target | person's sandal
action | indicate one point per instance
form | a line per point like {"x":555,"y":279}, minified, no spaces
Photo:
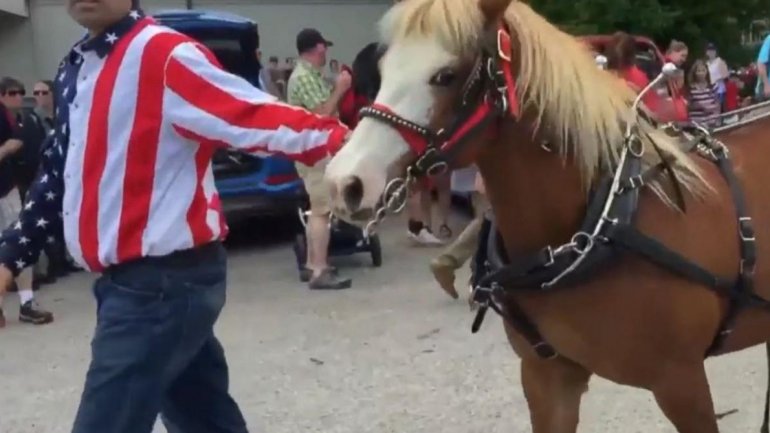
{"x":329,"y":280}
{"x":306,"y":274}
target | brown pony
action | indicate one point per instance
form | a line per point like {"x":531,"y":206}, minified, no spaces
{"x":492,"y":82}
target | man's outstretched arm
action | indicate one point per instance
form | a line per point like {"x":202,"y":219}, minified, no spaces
{"x":209,"y":105}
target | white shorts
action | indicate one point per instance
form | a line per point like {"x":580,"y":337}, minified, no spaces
{"x":10,"y":207}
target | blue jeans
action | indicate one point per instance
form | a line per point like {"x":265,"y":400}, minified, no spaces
{"x":154,"y":349}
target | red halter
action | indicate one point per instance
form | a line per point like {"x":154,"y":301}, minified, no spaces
{"x":492,"y":79}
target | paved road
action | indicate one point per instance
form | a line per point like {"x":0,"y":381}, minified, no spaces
{"x":391,"y":355}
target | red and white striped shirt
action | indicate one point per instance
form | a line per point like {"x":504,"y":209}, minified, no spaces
{"x":143,"y":124}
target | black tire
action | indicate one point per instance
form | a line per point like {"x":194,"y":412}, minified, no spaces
{"x":300,"y":250}
{"x":376,"y":249}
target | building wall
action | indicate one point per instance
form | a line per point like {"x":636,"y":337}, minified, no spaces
{"x":17,"y":57}
{"x":31,"y":48}
{"x":350,"y":24}
{"x":16,"y":7}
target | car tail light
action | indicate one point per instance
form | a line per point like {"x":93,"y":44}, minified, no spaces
{"x":277,"y":179}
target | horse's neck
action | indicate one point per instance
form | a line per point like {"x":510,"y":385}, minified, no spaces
{"x":537,"y":199}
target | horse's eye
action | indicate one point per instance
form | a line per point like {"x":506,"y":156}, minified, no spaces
{"x":443,"y":78}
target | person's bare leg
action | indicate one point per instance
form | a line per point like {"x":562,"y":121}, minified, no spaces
{"x":318,"y":242}
{"x":426,"y":208}
{"x":413,"y":210}
{"x":414,"y":213}
{"x":443,"y":190}
{"x":2,"y":316}
{"x":310,"y":257}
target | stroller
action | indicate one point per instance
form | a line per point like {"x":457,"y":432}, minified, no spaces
{"x":345,"y":239}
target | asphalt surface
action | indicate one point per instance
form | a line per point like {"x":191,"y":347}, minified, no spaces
{"x":392,"y":354}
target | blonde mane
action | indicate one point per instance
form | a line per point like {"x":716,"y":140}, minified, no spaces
{"x":585,"y":108}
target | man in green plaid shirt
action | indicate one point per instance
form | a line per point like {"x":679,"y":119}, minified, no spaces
{"x":307,"y":88}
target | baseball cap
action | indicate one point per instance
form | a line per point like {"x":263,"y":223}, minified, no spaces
{"x":307,"y":39}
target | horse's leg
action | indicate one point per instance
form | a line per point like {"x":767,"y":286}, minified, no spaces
{"x":553,"y":389}
{"x":684,"y":396}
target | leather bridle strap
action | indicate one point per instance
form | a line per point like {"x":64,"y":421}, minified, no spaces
{"x":487,"y":95}
{"x":419,"y":138}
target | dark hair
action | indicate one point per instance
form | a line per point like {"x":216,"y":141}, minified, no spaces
{"x":48,"y":83}
{"x":366,"y":70}
{"x":620,"y":51}
{"x":8,"y":83}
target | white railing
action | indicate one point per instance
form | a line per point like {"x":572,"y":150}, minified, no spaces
{"x":740,"y":117}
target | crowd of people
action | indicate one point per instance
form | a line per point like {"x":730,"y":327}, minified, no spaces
{"x":703,"y":88}
{"x":22,"y":132}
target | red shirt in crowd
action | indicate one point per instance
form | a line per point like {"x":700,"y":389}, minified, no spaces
{"x":676,"y":109}
{"x":638,"y":80}
{"x":732,"y":96}
{"x":350,"y":104}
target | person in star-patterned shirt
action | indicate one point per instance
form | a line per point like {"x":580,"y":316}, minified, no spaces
{"x":140,"y":110}
{"x":11,"y":94}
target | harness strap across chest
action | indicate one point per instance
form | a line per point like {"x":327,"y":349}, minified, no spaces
{"x":587,"y":254}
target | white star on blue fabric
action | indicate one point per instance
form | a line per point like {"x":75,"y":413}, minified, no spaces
{"x":50,"y":196}
{"x":20,"y":264}
{"x":111,"y":38}
{"x":29,"y":205}
{"x":62,"y":76}
{"x":24,"y":240}
{"x":42,"y":223}
{"x":17,"y":226}
{"x":135,"y":15}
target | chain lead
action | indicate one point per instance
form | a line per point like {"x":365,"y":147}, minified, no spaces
{"x":395,"y":198}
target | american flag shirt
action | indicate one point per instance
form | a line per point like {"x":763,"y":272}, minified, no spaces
{"x":126,"y":172}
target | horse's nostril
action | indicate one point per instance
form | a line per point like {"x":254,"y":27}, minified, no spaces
{"x":352,"y":192}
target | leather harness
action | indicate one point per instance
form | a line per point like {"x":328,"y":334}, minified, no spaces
{"x":489,"y":96}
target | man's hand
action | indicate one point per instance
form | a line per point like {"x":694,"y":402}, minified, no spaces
{"x":343,"y":82}
{"x":6,"y":279}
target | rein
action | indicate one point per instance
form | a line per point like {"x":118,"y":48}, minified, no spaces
{"x":489,"y":95}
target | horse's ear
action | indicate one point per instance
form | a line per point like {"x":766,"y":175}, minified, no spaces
{"x":493,"y":10}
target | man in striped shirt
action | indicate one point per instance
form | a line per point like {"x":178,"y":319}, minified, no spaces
{"x":140,"y":109}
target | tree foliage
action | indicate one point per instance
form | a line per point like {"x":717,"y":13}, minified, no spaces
{"x":693,"y":21}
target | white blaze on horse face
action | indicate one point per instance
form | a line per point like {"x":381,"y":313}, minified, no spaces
{"x":375,"y":147}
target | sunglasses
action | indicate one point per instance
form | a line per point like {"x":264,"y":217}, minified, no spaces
{"x":41,"y":92}
{"x":16,"y":92}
